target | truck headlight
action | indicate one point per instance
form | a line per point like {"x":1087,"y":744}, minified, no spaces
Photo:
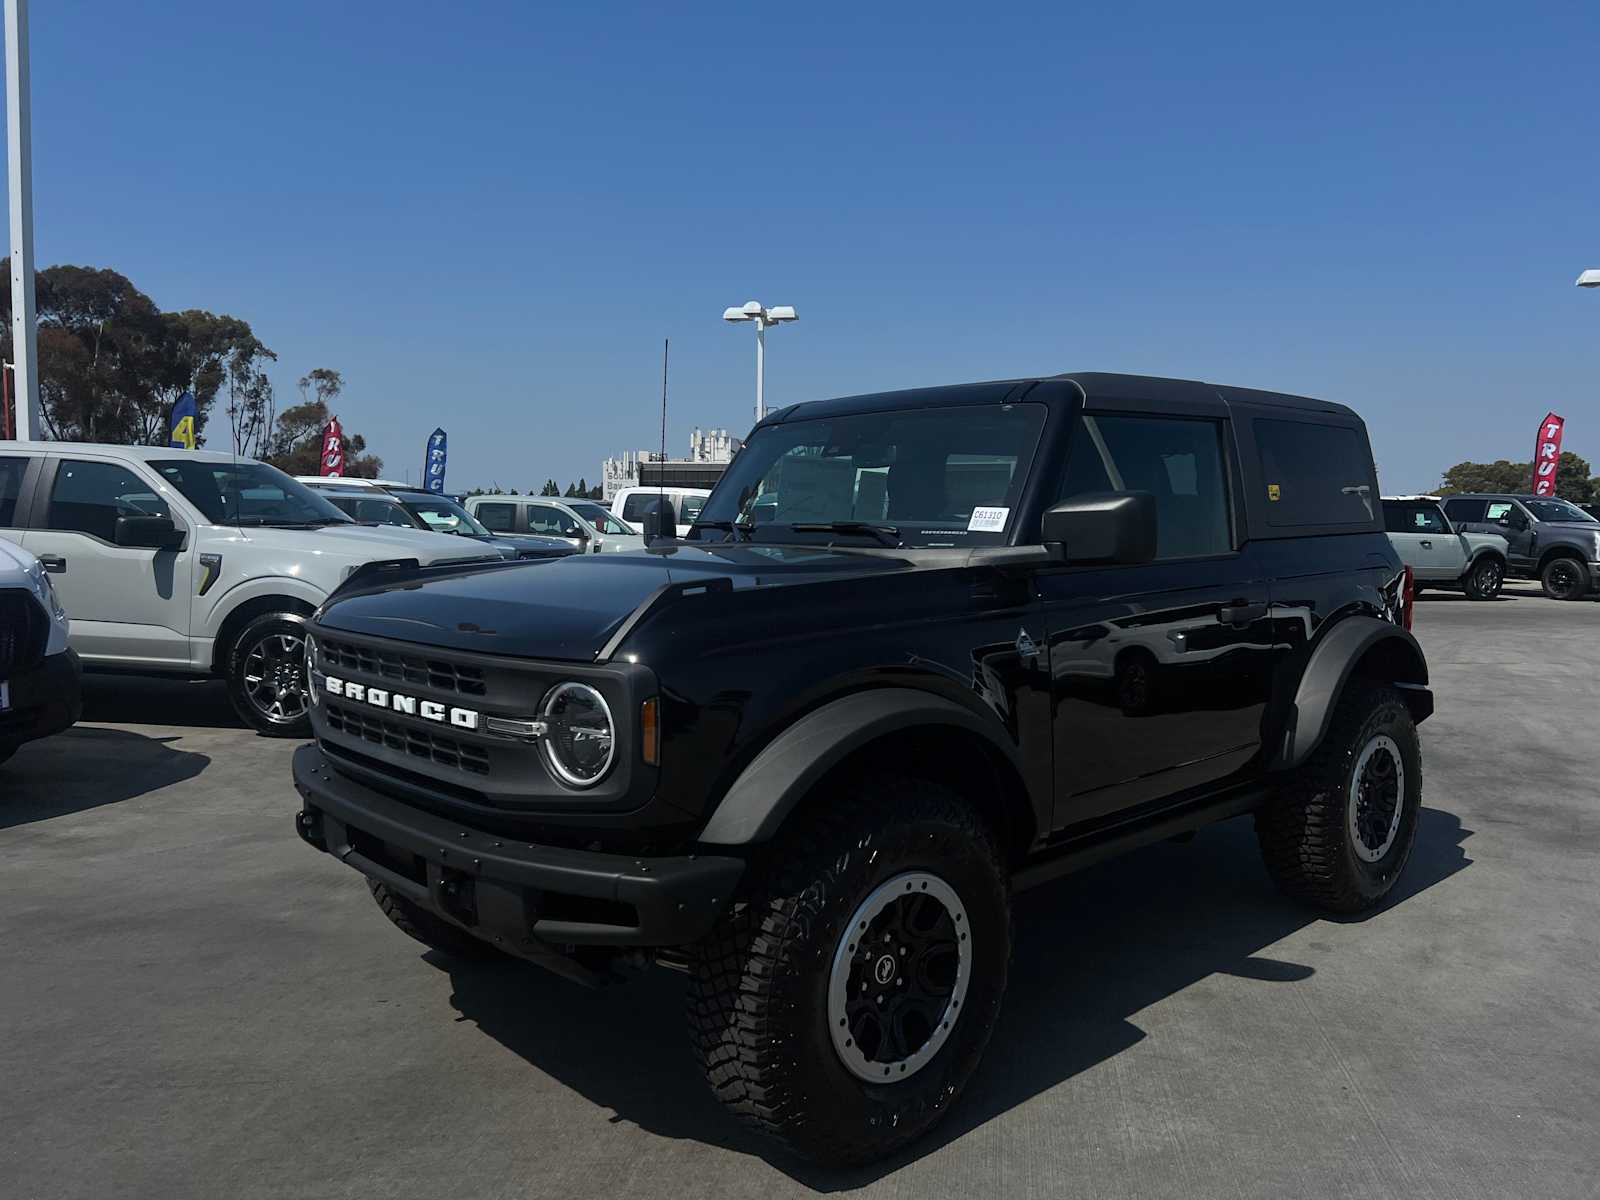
{"x":580,"y":740}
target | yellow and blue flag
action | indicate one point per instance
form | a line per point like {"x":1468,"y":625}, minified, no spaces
{"x":184,"y":414}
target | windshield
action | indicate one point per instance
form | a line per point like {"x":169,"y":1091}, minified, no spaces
{"x":247,"y":493}
{"x":924,"y":477}
{"x":372,"y":510}
{"x":1557,"y":510}
{"x":602,"y":520}
{"x":444,"y":515}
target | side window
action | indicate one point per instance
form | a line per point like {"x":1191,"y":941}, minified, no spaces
{"x":1177,"y":459}
{"x":542,"y":518}
{"x":1428,"y":519}
{"x":1315,"y":474}
{"x":12,"y":471}
{"x":1461,"y":511}
{"x":88,"y":497}
{"x":636,"y":505}
{"x":500,"y":518}
{"x":1412,"y":518}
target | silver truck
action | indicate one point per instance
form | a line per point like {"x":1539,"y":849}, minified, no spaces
{"x":1439,"y":554}
{"x":194,"y":563}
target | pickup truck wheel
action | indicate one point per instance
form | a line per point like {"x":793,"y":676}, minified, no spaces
{"x":432,"y":931}
{"x":1564,"y":578}
{"x":1339,"y":833}
{"x":843,"y":1009}
{"x":1484,"y":578}
{"x":267,"y":676}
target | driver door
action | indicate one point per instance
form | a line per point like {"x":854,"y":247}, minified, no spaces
{"x":128,"y":604}
{"x":1507,"y":518}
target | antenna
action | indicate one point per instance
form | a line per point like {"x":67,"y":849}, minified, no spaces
{"x":661,"y":467}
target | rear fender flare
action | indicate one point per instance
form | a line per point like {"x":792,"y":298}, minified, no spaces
{"x":778,"y":778}
{"x":1389,"y":652}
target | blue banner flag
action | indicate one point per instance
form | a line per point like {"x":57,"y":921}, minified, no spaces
{"x":433,"y":467}
{"x":182,"y":432}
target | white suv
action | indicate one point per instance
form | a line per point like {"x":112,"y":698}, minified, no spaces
{"x":39,"y":692}
{"x":195,"y":563}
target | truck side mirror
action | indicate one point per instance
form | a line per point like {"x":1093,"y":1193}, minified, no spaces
{"x":1115,"y":528}
{"x":660,"y":521}
{"x":148,"y":533}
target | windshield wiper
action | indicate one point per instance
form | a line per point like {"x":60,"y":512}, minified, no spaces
{"x":889,"y":535}
{"x":743,"y":528}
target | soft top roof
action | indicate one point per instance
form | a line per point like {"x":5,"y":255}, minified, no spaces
{"x":1095,"y":385}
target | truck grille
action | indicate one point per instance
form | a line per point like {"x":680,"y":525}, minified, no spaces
{"x":418,"y":743}
{"x":22,"y":631}
{"x":387,"y":663}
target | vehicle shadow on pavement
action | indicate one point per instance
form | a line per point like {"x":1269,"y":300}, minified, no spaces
{"x":148,"y":700}
{"x":89,"y":768}
{"x":1091,"y":951}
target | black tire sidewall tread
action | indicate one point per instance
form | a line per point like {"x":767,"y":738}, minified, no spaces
{"x":248,"y":636}
{"x":1474,"y":590}
{"x":432,"y":931}
{"x":757,"y":1003}
{"x":1304,"y":828}
{"x":1578,"y":565}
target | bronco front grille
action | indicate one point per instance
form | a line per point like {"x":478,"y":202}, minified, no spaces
{"x":418,"y":743}
{"x":406,"y":668}
{"x":22,"y":631}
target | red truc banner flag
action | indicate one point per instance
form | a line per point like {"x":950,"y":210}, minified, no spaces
{"x":333,"y":449}
{"x":1547,"y":454}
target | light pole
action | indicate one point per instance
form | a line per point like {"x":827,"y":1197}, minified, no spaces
{"x":19,"y":146}
{"x":763,"y":317}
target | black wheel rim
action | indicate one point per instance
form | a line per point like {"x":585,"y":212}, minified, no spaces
{"x":1377,"y":794}
{"x":274,"y":677}
{"x":899,"y":977}
{"x":1562,"y":578}
{"x":1489,"y":578}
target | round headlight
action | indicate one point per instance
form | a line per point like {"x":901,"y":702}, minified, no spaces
{"x":580,"y":741}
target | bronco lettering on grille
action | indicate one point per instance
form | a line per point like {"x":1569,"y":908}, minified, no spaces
{"x":410,"y":706}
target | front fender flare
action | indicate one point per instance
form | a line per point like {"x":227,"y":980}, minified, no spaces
{"x":788,"y":767}
{"x":1333,"y":660}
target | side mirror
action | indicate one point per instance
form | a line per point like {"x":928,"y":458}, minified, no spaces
{"x":661,"y":521}
{"x":572,"y":531}
{"x":1115,"y":528}
{"x":149,"y":533}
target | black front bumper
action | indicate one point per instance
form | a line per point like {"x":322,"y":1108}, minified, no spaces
{"x":45,"y":699}
{"x":526,"y":899}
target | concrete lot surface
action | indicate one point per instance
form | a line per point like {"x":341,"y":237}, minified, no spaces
{"x":192,"y":1003}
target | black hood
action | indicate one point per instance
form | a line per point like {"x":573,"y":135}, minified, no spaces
{"x":568,"y":608}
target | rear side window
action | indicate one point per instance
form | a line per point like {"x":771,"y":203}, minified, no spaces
{"x":1315,"y":474}
{"x":1401,"y":517}
{"x":500,"y":518}
{"x":636,"y":505}
{"x":1465,"y":510}
{"x":11,"y":472}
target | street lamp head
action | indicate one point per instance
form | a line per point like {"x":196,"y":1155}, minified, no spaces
{"x":1590,"y":278}
{"x":781,"y":312}
{"x":734,"y":314}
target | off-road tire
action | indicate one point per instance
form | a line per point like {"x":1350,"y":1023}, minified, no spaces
{"x":1304,"y":830}
{"x":1565,"y":577}
{"x":277,"y":625}
{"x":433,"y":932}
{"x":1484,"y":578}
{"x":758,"y":1000}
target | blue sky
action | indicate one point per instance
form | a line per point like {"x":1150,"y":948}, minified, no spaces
{"x":488,"y":215}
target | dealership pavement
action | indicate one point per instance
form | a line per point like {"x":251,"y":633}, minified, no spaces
{"x":192,"y":1003}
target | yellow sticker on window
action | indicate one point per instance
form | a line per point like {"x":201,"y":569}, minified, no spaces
{"x":1273,"y":491}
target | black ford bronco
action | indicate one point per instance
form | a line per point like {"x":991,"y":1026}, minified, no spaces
{"x":921,"y":650}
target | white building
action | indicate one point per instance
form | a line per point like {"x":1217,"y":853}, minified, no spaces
{"x":715,"y":447}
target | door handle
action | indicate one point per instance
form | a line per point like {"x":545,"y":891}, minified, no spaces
{"x":1426,"y":545}
{"x":1239,"y":612}
{"x":53,"y":563}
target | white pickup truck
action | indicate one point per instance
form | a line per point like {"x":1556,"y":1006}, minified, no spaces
{"x":194,"y":563}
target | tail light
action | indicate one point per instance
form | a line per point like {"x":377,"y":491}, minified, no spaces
{"x":1408,"y":598}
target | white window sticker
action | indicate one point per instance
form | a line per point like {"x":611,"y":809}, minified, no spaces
{"x":988,"y":520}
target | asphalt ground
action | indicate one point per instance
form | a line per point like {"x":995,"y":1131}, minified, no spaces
{"x":192,"y":1003}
